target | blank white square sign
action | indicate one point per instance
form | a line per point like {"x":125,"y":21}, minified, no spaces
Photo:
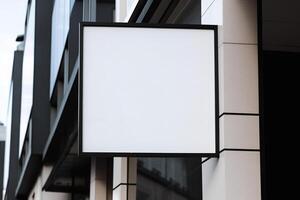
{"x":147,"y":90}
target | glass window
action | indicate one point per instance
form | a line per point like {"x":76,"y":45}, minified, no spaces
{"x":7,"y":139}
{"x":27,"y":74}
{"x":60,"y":29}
{"x":212,"y":12}
{"x":130,"y":3}
{"x":169,"y":179}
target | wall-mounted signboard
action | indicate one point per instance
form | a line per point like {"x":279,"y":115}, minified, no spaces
{"x":148,"y":90}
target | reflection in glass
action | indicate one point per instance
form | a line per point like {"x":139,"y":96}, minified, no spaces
{"x":27,"y":74}
{"x":8,"y":138}
{"x":60,"y":29}
{"x":169,"y":179}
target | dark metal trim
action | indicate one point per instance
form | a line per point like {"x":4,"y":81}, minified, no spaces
{"x":28,"y":175}
{"x":162,"y":26}
{"x":148,"y":10}
{"x":60,"y":114}
{"x":239,"y":149}
{"x":232,"y":149}
{"x":137,"y":10}
{"x":146,"y":25}
{"x":134,"y":184}
{"x":241,"y":114}
{"x":51,"y":176}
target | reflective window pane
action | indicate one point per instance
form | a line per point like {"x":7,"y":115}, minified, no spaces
{"x":27,"y":73}
{"x":60,"y":29}
{"x":169,"y":179}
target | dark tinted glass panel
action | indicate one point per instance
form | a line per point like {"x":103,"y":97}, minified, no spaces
{"x":169,"y":179}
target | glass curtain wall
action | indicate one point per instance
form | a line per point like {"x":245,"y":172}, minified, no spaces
{"x":59,"y":35}
{"x":169,"y":179}
{"x":27,"y":75}
{"x":7,"y":140}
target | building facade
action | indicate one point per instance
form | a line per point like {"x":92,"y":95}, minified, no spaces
{"x":43,"y":149}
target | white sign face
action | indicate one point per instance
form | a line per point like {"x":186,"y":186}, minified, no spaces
{"x":148,"y":90}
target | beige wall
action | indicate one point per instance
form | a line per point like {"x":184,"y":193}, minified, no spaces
{"x":124,"y":178}
{"x":236,"y":174}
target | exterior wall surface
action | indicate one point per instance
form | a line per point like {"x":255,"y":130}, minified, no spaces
{"x":236,"y":174}
{"x":124,"y":178}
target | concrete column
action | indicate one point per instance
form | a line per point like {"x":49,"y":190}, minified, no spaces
{"x":236,"y":174}
{"x":124,"y":178}
{"x":99,"y":188}
{"x":121,"y":10}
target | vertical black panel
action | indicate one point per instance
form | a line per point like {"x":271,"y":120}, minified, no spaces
{"x":279,"y":55}
{"x":279,"y":131}
{"x":14,"y":169}
{"x":41,"y":83}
